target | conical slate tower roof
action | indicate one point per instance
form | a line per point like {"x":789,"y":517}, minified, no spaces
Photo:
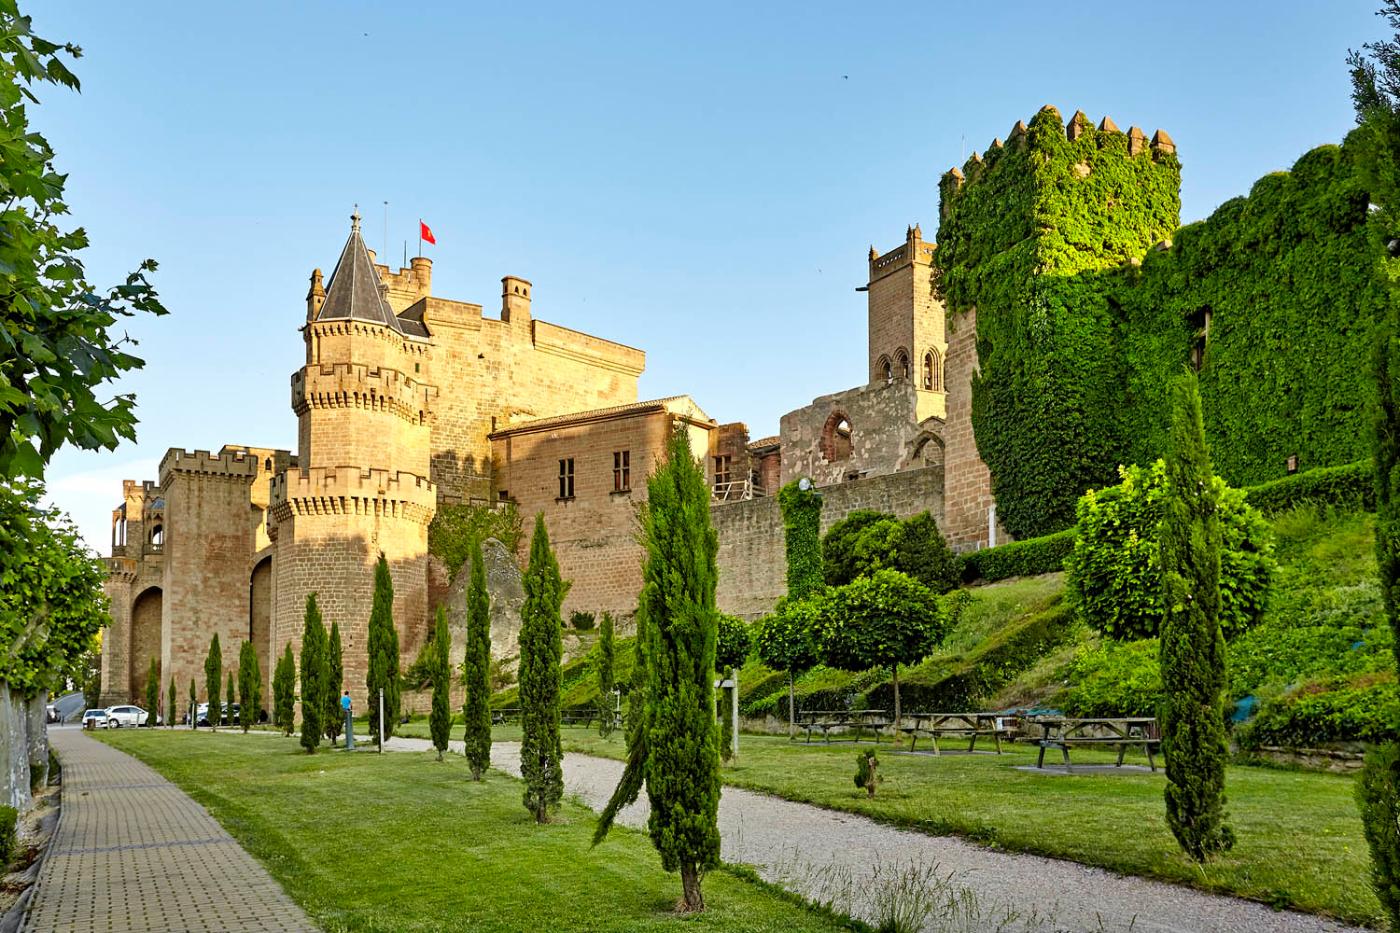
{"x":354,"y":292}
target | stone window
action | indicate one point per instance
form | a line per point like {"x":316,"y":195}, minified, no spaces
{"x":933,"y":371}
{"x":622,"y":470}
{"x":723,"y":473}
{"x":901,"y":364}
{"x":566,"y":478}
{"x":883,"y":370}
{"x":836,"y":438}
{"x":1200,"y":335}
{"x":157,"y":536}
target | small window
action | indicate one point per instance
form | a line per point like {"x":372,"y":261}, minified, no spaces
{"x":933,"y":371}
{"x":267,"y":464}
{"x":503,"y":496}
{"x":416,"y":367}
{"x":622,"y":470}
{"x":566,"y":478}
{"x":722,"y":471}
{"x":901,"y":364}
{"x":1200,"y":336}
{"x":883,"y":370}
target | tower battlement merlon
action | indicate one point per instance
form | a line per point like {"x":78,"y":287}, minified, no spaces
{"x":233,"y":464}
{"x":349,"y":490}
{"x":356,"y":385}
{"x":914,"y":250}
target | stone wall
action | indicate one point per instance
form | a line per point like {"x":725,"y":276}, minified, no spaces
{"x":969,"y":491}
{"x":884,"y":434}
{"x":752,"y":560}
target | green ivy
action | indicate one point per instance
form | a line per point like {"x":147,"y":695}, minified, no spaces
{"x":802,"y":509}
{"x":458,"y":528}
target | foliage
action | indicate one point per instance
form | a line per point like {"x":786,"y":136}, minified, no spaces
{"x":249,"y":685}
{"x":786,"y":640}
{"x":51,"y":600}
{"x":541,"y":646}
{"x":440,"y":719}
{"x":582,"y":621}
{"x":284,"y":685}
{"x":1026,"y":240}
{"x":1030,"y":557}
{"x":458,"y":529}
{"x":866,"y":541}
{"x":9,"y":817}
{"x":153,"y":692}
{"x":90,"y":674}
{"x":315,"y":675}
{"x":867,"y":775}
{"x":605,"y":659}
{"x":194,"y":705}
{"x":733,"y":642}
{"x":172,"y":705}
{"x":1192,"y":649}
{"x":881,"y":620}
{"x":476,"y":670}
{"x":1360,"y":707}
{"x":333,"y":719}
{"x":213,"y":679}
{"x":675,"y":748}
{"x":56,"y":345}
{"x":1378,"y":796}
{"x":228,"y":699}
{"x":1114,"y":575}
{"x":921,"y":551}
{"x":802,"y":512}
{"x":383,"y":671}
{"x":1350,"y":486}
{"x":1115,"y":678}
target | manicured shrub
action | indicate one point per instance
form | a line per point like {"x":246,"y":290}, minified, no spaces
{"x":228,"y":699}
{"x":1351,"y":486}
{"x":333,"y":719}
{"x":867,"y":772}
{"x":802,"y":512}
{"x":733,"y":643}
{"x":284,"y":686}
{"x":153,"y":692}
{"x":541,"y":646}
{"x":249,"y":685}
{"x":194,"y":706}
{"x":1114,"y":575}
{"x":213,"y":679}
{"x":1028,"y":558}
{"x":1378,"y":795}
{"x":440,"y":719}
{"x":787,"y":642}
{"x":476,"y":670}
{"x":582,"y":621}
{"x":605,"y":658}
{"x":1192,"y":649}
{"x":866,"y":541}
{"x":172,"y":707}
{"x":314,"y":675}
{"x":383,"y":671}
{"x":1361,"y":707}
{"x":1115,"y":678}
{"x":921,"y":551}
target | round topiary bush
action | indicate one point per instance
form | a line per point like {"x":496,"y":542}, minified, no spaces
{"x":1113,"y":576}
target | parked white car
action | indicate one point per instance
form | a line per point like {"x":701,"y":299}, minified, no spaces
{"x":118,"y":716}
{"x":98,"y":718}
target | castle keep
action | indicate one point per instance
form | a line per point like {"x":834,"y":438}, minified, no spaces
{"x":1029,"y":338}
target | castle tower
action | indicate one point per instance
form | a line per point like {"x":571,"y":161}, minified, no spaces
{"x":906,"y":328}
{"x":364,"y":414}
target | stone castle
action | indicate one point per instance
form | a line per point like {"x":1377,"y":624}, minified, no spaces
{"x":408,"y":401}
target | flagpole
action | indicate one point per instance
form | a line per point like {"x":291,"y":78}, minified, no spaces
{"x":386,"y":233}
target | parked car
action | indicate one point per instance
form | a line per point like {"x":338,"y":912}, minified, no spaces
{"x":98,"y":718}
{"x":51,"y":713}
{"x":118,"y":716}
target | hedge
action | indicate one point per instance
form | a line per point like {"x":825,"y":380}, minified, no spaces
{"x":1031,"y":557}
{"x":1352,"y":486}
{"x":1362,"y":708}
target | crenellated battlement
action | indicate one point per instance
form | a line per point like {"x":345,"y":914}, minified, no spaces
{"x":367,"y":329}
{"x":232,"y":464}
{"x":368,"y":388}
{"x":914,"y":249}
{"x":348,"y":490}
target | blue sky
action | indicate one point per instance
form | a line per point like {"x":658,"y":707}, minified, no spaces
{"x":702,"y":182}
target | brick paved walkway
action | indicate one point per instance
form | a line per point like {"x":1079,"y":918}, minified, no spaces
{"x":134,"y":853}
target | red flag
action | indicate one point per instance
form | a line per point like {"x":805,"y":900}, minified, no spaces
{"x":425,"y":233}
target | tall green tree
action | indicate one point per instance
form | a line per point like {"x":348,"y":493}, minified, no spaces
{"x":153,"y":692}
{"x":314,"y":675}
{"x":440,"y":718}
{"x":787,"y":641}
{"x":604,"y":664}
{"x":476,"y":670}
{"x":383,"y":653}
{"x":1192,"y":643}
{"x":284,"y":686}
{"x":229,"y":700}
{"x":172,"y":706}
{"x":333,"y":719}
{"x":676,"y":753}
{"x":58,"y":330}
{"x":249,"y":685}
{"x":213,"y":679}
{"x":194,"y":706}
{"x":541,"y":648}
{"x":801,"y":506}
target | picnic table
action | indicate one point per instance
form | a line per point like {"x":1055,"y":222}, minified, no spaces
{"x":504,"y":715}
{"x":856,"y":719}
{"x":962,"y":725}
{"x":1120,"y":732}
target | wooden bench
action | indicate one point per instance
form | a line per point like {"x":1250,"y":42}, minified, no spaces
{"x":968,"y":726}
{"x":1121,"y":733}
{"x":500,"y":717}
{"x":828,"y":719}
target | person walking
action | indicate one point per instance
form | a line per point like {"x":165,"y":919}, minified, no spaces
{"x":349,"y":721}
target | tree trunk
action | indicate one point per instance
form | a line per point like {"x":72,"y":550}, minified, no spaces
{"x":896,"y":703}
{"x":439,"y":751}
{"x":476,"y":774}
{"x":693,"y":900}
{"x":792,"y":709}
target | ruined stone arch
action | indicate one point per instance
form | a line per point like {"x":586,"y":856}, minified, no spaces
{"x":146,"y":610}
{"x":933,"y":370}
{"x":836,"y":438}
{"x":901,"y":363}
{"x":926,"y":450}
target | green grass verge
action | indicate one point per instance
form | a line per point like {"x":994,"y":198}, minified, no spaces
{"x":1300,"y":844}
{"x":403,"y":842}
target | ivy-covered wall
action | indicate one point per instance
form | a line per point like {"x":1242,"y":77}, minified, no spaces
{"x":1287,"y":275}
{"x":1029,"y":236}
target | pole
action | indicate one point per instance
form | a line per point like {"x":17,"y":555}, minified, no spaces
{"x":381,"y":720}
{"x":386,"y":232}
{"x":734,"y":709}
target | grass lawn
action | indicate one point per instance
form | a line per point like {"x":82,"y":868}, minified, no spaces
{"x":403,"y":842}
{"x":1299,"y":835}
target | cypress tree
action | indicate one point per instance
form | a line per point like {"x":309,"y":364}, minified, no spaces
{"x":383,"y":653}
{"x":172,"y":707}
{"x":677,"y":753}
{"x":153,"y":693}
{"x":476,"y":669}
{"x":605,"y":659}
{"x":313,"y":676}
{"x":249,"y":685}
{"x":1192,"y":644}
{"x":335,"y":683}
{"x":440,"y":717}
{"x":213,"y":679}
{"x":541,"y":647}
{"x":229,"y":702}
{"x":194,"y":706}
{"x":284,"y":692}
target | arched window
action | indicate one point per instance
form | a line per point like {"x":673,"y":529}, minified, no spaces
{"x":836,"y":438}
{"x":157,"y":536}
{"x":883,"y":370}
{"x":901,"y":364}
{"x":933,"y":371}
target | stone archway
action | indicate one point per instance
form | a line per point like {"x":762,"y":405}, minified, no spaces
{"x":145,"y":642}
{"x":260,"y":620}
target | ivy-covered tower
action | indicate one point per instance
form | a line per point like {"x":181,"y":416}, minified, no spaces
{"x":1032,"y":235}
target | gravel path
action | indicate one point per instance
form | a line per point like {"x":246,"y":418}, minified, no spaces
{"x":859,"y":866}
